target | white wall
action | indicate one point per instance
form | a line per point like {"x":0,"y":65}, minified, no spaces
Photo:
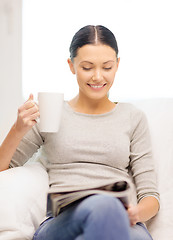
{"x":10,"y":62}
{"x":143,"y":29}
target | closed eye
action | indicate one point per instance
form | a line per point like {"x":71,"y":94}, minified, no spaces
{"x":86,"y":69}
{"x":108,"y":68}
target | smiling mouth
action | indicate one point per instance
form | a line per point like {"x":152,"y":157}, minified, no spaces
{"x":96,"y":86}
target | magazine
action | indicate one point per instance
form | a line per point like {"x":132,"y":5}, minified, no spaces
{"x":57,"y":201}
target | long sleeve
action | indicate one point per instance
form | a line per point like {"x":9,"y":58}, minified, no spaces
{"x":141,"y":160}
{"x":29,"y":145}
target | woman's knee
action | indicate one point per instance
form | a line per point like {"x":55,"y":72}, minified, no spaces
{"x":102,"y":217}
{"x":101,"y":206}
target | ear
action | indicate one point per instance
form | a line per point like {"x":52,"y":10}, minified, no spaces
{"x":71,"y":65}
{"x":118,"y":61}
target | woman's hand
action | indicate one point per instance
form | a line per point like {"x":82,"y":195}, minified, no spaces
{"x":133,"y":213}
{"x":144,"y":210}
{"x":27,"y":115}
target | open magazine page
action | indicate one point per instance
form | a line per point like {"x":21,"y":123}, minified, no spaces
{"x":57,"y":201}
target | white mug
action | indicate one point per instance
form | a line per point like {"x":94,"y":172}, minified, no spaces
{"x":50,"y":108}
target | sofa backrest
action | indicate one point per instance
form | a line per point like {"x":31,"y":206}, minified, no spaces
{"x":159,"y":113}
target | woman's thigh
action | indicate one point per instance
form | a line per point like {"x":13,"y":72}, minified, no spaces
{"x":138,"y":232}
{"x":68,"y":225}
{"x":96,"y":217}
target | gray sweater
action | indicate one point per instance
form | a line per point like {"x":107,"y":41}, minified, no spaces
{"x":91,"y":150}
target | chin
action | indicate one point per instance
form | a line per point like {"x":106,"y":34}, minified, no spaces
{"x":98,"y":97}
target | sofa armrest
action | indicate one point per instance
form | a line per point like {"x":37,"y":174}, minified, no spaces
{"x":23,"y":200}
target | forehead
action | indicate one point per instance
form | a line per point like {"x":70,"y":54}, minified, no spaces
{"x":92,"y":53}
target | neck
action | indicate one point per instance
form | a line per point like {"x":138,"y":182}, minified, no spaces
{"x":90,"y":106}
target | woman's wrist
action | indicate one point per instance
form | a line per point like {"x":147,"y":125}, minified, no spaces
{"x":17,"y":133}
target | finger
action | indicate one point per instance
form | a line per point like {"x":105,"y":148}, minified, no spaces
{"x":26,"y":106}
{"x":29,"y":123}
{"x":33,"y":117}
{"x":131,"y":212}
{"x":133,"y":223}
{"x":28,"y":112}
{"x":29,"y":102}
{"x":29,"y":120}
{"x":129,"y":206}
{"x":31,"y":96}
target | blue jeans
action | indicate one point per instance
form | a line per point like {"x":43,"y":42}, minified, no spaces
{"x":97,"y":217}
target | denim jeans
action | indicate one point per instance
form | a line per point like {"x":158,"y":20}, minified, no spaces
{"x":98,"y":217}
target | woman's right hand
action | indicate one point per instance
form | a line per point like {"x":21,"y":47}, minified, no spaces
{"x":27,"y":116}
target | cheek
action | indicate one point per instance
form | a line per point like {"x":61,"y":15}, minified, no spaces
{"x":111,"y":83}
{"x":83,"y":76}
{"x":110,"y":77}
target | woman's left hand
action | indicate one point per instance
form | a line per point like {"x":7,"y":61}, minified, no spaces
{"x":133,"y":213}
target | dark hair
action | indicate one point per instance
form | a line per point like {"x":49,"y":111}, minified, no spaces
{"x":92,"y":35}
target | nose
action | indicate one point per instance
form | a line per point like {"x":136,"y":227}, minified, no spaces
{"x":97,"y":76}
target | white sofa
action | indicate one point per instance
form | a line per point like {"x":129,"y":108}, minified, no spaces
{"x":23,"y":189}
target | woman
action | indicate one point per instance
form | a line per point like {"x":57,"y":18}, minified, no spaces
{"x":98,"y":140}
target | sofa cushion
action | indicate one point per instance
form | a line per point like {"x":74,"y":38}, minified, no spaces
{"x":23,"y":201}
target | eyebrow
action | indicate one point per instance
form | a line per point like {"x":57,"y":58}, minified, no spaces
{"x":93,"y":63}
{"x":109,"y":61}
{"x":87,"y":62}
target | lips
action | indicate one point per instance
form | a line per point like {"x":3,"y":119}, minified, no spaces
{"x":96,"y":86}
